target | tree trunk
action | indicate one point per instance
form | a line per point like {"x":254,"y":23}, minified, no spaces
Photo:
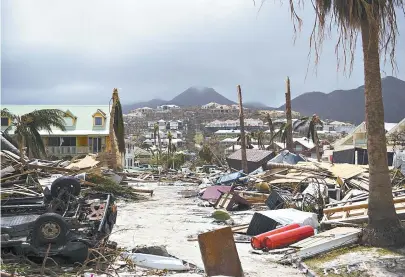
{"x":160,"y":148}
{"x":168,"y":154}
{"x":21,"y":146}
{"x":289,"y":137}
{"x":157,"y":155}
{"x":271,"y":140}
{"x":242,"y":133}
{"x":384,"y":227}
{"x":318,"y":155}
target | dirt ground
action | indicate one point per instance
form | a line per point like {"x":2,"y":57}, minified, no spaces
{"x":360,"y":261}
{"x":169,"y":219}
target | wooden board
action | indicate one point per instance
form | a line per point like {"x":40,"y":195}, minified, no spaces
{"x":219,"y":253}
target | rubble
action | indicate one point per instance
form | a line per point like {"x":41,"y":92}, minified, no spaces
{"x":326,"y":203}
{"x":289,"y":189}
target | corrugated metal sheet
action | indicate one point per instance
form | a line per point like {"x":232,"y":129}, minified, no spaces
{"x":326,"y":241}
{"x":252,"y":155}
{"x":229,"y":178}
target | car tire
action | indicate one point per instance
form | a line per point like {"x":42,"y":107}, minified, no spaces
{"x":67,"y":182}
{"x":49,"y":228}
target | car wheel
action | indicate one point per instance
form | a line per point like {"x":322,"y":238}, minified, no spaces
{"x":49,"y":228}
{"x":71,"y":184}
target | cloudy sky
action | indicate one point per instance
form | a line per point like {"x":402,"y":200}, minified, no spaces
{"x":75,"y":52}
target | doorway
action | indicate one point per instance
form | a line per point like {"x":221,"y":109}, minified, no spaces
{"x":95,"y":145}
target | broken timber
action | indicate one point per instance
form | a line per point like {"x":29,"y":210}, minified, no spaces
{"x":358,"y":212}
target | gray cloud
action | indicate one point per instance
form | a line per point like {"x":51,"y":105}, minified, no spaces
{"x":76,"y":52}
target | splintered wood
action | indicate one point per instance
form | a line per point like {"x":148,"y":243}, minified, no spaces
{"x":356,"y":213}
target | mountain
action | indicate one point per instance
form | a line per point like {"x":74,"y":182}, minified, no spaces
{"x":193,"y":96}
{"x":198,"y":96}
{"x":257,"y":105}
{"x":126,"y":108}
{"x":348,"y":105}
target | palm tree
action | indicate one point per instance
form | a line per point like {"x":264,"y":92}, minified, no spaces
{"x":282,"y":133}
{"x":248,"y":140}
{"x":160,"y":146}
{"x":310,"y":123}
{"x":169,"y":147}
{"x":288,"y":127}
{"x":147,"y":147}
{"x":205,"y":153}
{"x":242,"y":133}
{"x":376,"y":21}
{"x":259,"y":135}
{"x":271,"y":129}
{"x":156,"y":133}
{"x":27,"y":127}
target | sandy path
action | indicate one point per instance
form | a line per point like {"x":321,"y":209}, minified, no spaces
{"x":169,"y":220}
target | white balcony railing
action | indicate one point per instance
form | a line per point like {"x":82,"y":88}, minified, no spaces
{"x":67,"y":150}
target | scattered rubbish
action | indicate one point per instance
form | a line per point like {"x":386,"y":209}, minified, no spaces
{"x":287,"y":237}
{"x":214,"y":192}
{"x":326,"y":241}
{"x":265,"y":221}
{"x":231,"y":201}
{"x":279,"y":199}
{"x":153,"y":250}
{"x":155,"y":261}
{"x":219,"y":253}
{"x":221,"y":215}
{"x":286,"y":157}
{"x":70,"y":207}
{"x":257,"y":242}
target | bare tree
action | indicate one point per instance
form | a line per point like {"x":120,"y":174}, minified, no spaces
{"x":289,"y":136}
{"x":242,"y":132}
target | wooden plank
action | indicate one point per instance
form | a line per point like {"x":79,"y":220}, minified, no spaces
{"x":363,"y":205}
{"x":51,"y":168}
{"x":16,"y":175}
{"x":219,"y":253}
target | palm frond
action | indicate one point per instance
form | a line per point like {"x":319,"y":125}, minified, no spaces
{"x":299,"y":124}
{"x":45,"y":119}
{"x":278,"y":133}
{"x":36,"y":144}
{"x":346,"y":17}
{"x":6,"y":113}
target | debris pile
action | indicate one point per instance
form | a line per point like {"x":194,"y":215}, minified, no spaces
{"x":286,"y":207}
{"x":59,"y":210}
{"x":298,"y":208}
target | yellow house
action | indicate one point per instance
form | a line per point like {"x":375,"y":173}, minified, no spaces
{"x":87,"y":128}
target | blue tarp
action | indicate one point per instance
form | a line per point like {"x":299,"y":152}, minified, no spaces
{"x":230,"y":178}
{"x":286,"y":156}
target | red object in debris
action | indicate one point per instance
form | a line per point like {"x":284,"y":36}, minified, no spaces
{"x":287,"y":237}
{"x":257,"y":242}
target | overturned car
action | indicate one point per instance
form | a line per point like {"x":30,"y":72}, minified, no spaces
{"x":61,"y":223}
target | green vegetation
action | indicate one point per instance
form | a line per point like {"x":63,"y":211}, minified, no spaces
{"x":106,"y":185}
{"x":198,"y":138}
{"x":27,"y":127}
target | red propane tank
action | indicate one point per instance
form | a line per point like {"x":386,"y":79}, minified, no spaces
{"x":288,"y":237}
{"x":257,"y":241}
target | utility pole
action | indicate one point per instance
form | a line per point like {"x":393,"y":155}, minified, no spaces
{"x":289,"y":137}
{"x":242,"y":133}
